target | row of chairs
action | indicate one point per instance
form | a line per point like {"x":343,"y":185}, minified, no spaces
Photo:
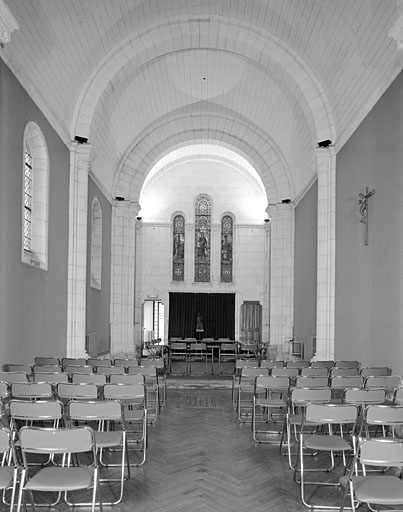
{"x":310,"y":415}
{"x":114,"y":424}
{"x":153,"y":370}
{"x":96,"y":364}
{"x":80,"y":389}
{"x":243,"y":380}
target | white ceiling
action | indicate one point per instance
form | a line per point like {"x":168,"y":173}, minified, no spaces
{"x":266,"y":79}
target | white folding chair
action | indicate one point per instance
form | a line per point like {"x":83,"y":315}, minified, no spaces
{"x":8,"y":467}
{"x":375,"y":490}
{"x":133,"y":397}
{"x":152,"y":388}
{"x":339,"y":423}
{"x":269,"y":407}
{"x":31,"y":390}
{"x":66,"y":477}
{"x":107,"y":420}
{"x":298,"y":399}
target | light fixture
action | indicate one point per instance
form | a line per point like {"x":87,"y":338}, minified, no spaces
{"x":324,"y":143}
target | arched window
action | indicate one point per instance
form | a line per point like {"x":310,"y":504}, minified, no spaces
{"x":202,"y":239}
{"x":35,"y":200}
{"x":96,"y":244}
{"x":227,"y":240}
{"x":178,"y":266}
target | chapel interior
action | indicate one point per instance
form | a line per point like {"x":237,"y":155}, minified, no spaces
{"x":210,"y":172}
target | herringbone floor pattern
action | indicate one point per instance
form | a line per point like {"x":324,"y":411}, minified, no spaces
{"x":201,"y":459}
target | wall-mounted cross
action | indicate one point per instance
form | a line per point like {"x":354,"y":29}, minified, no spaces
{"x":363,"y":202}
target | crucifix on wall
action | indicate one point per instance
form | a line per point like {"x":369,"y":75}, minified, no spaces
{"x":363,"y":202}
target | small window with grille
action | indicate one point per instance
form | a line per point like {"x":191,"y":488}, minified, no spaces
{"x":27,"y":198}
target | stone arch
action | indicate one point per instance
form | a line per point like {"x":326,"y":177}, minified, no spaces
{"x":159,"y":38}
{"x":145,"y":152}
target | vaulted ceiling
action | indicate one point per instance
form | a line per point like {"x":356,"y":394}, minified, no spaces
{"x":267,"y":79}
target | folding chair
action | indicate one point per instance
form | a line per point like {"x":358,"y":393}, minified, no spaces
{"x":11,"y":377}
{"x":239,"y":364}
{"x":107,"y":420}
{"x":375,"y":490}
{"x":247,"y":350}
{"x":152,"y":388}
{"x":198,"y":353}
{"x":322,"y":364}
{"x":269,"y":400}
{"x":13,"y":367}
{"x":126,"y":378}
{"x":8,"y":467}
{"x":62,"y":478}
{"x":271,"y":364}
{"x":46,"y":361}
{"x":375,"y":371}
{"x":337,"y":438}
{"x":390,"y":383}
{"x":72,"y":391}
{"x":306,"y":381}
{"x":310,"y":371}
{"x":343,"y":372}
{"x":52,"y":378}
{"x":134,"y":400}
{"x":246,"y":391}
{"x":345,"y":363}
{"x":47,"y":368}
{"x":339,"y":384}
{"x":99,"y":379}
{"x":178,"y":352}
{"x":298,"y":399}
{"x":31,"y":390}
{"x":159,"y":364}
{"x":387,"y":419}
{"x":41,"y":413}
{"x":44,"y":413}
{"x":73,"y":361}
{"x":364,"y":396}
{"x":227,"y":353}
{"x":297,"y":364}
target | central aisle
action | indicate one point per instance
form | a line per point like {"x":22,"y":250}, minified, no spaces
{"x":201,"y":458}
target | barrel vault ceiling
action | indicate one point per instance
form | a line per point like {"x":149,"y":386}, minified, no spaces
{"x":267,"y":79}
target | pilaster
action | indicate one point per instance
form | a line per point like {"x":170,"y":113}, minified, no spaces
{"x":282,"y":275}
{"x":326,"y":171}
{"x":123,"y":264}
{"x":77,"y":257}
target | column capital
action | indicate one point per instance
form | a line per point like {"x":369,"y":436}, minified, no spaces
{"x":396,"y":32}
{"x":7,"y":24}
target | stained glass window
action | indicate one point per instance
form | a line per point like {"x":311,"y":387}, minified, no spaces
{"x":202,"y":239}
{"x":27,"y":198}
{"x":226,"y":249}
{"x":178,"y":268}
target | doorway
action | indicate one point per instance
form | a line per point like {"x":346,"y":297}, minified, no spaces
{"x":153,"y":320}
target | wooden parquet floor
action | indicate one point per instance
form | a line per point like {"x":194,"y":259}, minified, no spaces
{"x":202,"y":459}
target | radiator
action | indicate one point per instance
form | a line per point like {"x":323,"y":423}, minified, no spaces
{"x":91,"y":344}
